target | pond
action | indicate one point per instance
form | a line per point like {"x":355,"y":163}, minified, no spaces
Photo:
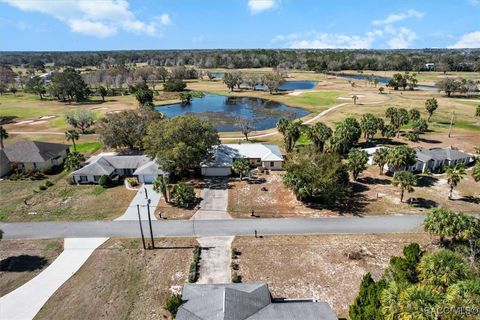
{"x":226,"y":112}
{"x":383,"y":80}
{"x":292,"y":85}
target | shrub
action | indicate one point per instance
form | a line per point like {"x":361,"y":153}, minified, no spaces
{"x":174,"y":85}
{"x":116,"y":180}
{"x":236,"y":278}
{"x":172,"y":304}
{"x":42,"y":187}
{"x":132,"y":182}
{"x":194,"y":266}
{"x":104,"y":181}
{"x":183,"y":195}
{"x":49,"y":183}
{"x":235,"y":253}
{"x":234,"y":266}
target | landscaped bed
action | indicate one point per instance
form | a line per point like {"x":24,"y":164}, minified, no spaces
{"x":122,"y":281}
{"x":325,"y":267}
{"x":21,"y":260}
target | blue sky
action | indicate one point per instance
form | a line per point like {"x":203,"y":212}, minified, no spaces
{"x":183,"y":24}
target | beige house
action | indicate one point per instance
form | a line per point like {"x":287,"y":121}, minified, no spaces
{"x":33,"y":155}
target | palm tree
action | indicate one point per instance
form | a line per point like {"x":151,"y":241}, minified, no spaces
{"x":282,"y":125}
{"x":389,"y":298}
{"x":419,"y":302}
{"x":3,"y":136}
{"x":319,"y":133}
{"x":405,"y":181}
{"x":454,"y":176}
{"x":476,"y":171}
{"x":439,"y":222}
{"x":160,"y":185}
{"x":72,"y":135}
{"x":241,"y":166}
{"x":354,"y":98}
{"x":380,"y":157}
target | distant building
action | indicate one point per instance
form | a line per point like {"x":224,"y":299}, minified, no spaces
{"x":32,"y":155}
{"x":222,"y":156}
{"x":244,"y":301}
{"x":431,"y":159}
{"x":429,"y":66}
{"x":141,"y":166}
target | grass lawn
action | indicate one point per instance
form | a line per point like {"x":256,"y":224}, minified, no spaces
{"x":21,"y":260}
{"x":122,"y":281}
{"x":88,"y":147}
{"x":61,"y":201}
{"x":318,"y":266}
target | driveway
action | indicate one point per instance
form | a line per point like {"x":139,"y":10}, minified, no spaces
{"x":140,"y":199}
{"x":25,"y":301}
{"x":214,"y":200}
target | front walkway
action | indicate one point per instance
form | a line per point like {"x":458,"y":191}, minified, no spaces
{"x":25,"y":301}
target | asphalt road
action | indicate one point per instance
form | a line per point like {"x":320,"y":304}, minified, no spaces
{"x":197,"y":228}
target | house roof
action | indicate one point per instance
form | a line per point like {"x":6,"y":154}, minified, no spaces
{"x":149,"y":168}
{"x":242,"y":301}
{"x":106,"y":164}
{"x":439,"y":154}
{"x":223,"y":155}
{"x":33,"y":151}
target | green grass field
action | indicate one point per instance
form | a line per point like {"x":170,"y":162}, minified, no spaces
{"x":88,"y":147}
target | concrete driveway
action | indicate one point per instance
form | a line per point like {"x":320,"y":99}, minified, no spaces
{"x":214,"y":201}
{"x":140,"y":199}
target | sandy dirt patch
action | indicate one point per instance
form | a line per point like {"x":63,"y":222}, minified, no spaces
{"x":47,"y":117}
{"x":23,"y":122}
{"x":318,"y":266}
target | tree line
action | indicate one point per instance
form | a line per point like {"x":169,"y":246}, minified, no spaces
{"x":304,"y":59}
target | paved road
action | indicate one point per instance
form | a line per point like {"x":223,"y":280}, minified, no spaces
{"x":226,"y":227}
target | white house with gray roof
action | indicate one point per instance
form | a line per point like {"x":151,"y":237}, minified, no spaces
{"x":431,"y":159}
{"x":111,"y":164}
{"x":245,"y":301}
{"x":223,"y":155}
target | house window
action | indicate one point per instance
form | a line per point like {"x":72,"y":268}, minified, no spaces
{"x":83,"y":179}
{"x":35,"y":165}
{"x":272,"y":164}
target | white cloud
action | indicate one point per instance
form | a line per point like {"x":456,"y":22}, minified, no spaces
{"x":257,"y":6}
{"x":474,"y":2}
{"x":396,"y":17}
{"x":469,"y":40}
{"x":319,"y":40}
{"x":95,"y":18}
{"x":403,"y":39}
{"x":165,"y":19}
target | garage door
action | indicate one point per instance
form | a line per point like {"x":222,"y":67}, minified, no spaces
{"x":146,"y":179}
{"x":216,"y":172}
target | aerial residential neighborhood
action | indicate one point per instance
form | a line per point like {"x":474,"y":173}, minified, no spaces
{"x":239,"y":160}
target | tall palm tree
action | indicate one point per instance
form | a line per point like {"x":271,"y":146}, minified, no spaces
{"x":160,"y":185}
{"x":405,"y":181}
{"x":419,"y":302}
{"x":454,"y":176}
{"x":354,"y":98}
{"x":3,"y":136}
{"x":319,"y":133}
{"x":72,"y":135}
{"x":380,"y":157}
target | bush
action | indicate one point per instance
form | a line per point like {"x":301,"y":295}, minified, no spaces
{"x":234,"y":266}
{"x":235,"y":253}
{"x":172,"y":304}
{"x":174,"y":85}
{"x":42,"y":187}
{"x":132,"y":182}
{"x":183,"y":195}
{"x":194,"y":266}
{"x":49,"y":183}
{"x":104,"y":181}
{"x":236,"y":278}
{"x":116,"y":180}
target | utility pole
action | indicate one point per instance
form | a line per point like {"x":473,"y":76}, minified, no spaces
{"x":141,"y":228}
{"x":451,"y":124}
{"x":150,"y":223}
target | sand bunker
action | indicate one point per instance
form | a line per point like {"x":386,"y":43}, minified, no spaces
{"x":37,"y":122}
{"x":47,"y":117}
{"x":101,"y":108}
{"x":23,"y":122}
{"x":295,"y":93}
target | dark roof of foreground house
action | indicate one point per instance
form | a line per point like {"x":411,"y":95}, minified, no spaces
{"x":440,"y":154}
{"x":33,"y":151}
{"x":243,"y":301}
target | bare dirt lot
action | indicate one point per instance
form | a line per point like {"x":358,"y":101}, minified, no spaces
{"x":318,"y":266}
{"x":373,"y":195}
{"x":122,"y":281}
{"x":21,"y":260}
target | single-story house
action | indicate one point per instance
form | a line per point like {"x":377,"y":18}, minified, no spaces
{"x":112,"y":164}
{"x":33,"y":155}
{"x":245,"y":301}
{"x":259,"y":155}
{"x":431,"y":159}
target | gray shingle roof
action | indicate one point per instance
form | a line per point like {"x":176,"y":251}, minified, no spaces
{"x":97,"y":168}
{"x":33,"y":151}
{"x":105,"y":165}
{"x":149,"y":168}
{"x":440,"y":154}
{"x":244,"y":302}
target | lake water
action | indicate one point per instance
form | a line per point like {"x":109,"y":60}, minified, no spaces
{"x":224,"y":112}
{"x":382,"y":80}
{"x":292,"y":85}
